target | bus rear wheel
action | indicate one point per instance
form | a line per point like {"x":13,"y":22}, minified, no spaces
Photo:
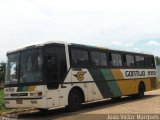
{"x":141,"y":90}
{"x":74,"y":100}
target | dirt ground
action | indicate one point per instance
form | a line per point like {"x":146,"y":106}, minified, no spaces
{"x":150,"y":104}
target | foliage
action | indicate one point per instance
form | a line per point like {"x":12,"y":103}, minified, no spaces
{"x":2,"y":70}
{"x":157,"y":60}
{"x":2,"y":105}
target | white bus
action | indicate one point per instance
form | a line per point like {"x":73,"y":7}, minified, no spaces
{"x":58,"y":74}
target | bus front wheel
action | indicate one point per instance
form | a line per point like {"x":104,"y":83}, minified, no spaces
{"x":74,"y":100}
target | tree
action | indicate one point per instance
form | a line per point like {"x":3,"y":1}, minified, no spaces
{"x":2,"y":71}
{"x":157,"y":60}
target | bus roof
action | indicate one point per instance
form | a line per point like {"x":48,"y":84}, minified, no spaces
{"x":36,"y":45}
{"x":107,"y":49}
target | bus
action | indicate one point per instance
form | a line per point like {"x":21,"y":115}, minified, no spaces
{"x":60,"y":74}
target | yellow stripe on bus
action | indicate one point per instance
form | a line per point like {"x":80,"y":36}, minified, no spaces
{"x":129,"y":87}
{"x":120,"y":81}
{"x":117,"y":74}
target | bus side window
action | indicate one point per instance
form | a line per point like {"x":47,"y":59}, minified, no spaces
{"x":79,"y":57}
{"x":84,"y":58}
{"x":140,"y":61}
{"x":116,"y":59}
{"x":99,"y":59}
{"x":149,"y":60}
{"x":75,"y":57}
{"x":103,"y":59}
{"x":95,"y":58}
{"x":129,"y":60}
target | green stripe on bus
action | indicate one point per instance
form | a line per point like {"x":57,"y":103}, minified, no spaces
{"x":112,"y":83}
{"x":107,"y":74}
{"x":101,"y":83}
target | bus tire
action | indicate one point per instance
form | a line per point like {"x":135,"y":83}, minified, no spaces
{"x":141,"y":90}
{"x":74,"y":100}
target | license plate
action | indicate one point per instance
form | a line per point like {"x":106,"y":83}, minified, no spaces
{"x":19,"y":101}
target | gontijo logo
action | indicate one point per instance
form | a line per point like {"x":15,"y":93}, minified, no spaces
{"x":80,"y":75}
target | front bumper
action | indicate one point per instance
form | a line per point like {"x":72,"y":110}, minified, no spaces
{"x":25,"y":103}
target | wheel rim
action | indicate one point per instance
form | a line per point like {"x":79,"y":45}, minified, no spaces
{"x":76,"y":100}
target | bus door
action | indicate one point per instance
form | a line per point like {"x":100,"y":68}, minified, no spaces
{"x":51,"y":71}
{"x":51,"y":76}
{"x":55,"y":71}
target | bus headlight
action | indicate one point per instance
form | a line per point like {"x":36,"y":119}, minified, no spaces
{"x":33,"y":94}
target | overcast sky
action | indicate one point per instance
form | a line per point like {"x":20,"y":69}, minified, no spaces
{"x":132,"y":25}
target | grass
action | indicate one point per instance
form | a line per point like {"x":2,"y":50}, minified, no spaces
{"x":4,"y":110}
{"x":2,"y":105}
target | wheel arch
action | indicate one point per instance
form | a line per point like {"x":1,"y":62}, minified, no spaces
{"x":80,"y":90}
{"x":141,"y":83}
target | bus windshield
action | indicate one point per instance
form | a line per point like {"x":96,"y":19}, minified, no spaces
{"x":12,"y":69}
{"x":29,"y":70}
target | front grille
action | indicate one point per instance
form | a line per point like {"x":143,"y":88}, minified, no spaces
{"x":19,"y":94}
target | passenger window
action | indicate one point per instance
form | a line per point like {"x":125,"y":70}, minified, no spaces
{"x":79,"y":57}
{"x":140,"y":61}
{"x":129,"y":60}
{"x":150,"y":61}
{"x":116,"y":59}
{"x":84,"y":57}
{"x":103,"y":59}
{"x":98,"y":59}
{"x":95,"y":58}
